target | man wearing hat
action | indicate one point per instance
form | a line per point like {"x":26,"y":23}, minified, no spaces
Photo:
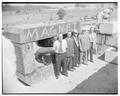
{"x":85,"y":44}
{"x":76,"y":49}
{"x":70,"y":52}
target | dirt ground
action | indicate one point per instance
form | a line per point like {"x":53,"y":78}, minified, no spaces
{"x":104,"y":81}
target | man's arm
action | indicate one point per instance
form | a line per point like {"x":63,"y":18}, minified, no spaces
{"x":54,"y":46}
{"x":79,"y":40}
{"x":66,"y":46}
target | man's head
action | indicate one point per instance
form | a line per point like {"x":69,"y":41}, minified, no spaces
{"x":92,"y":29}
{"x":75,"y":32}
{"x":84,"y":30}
{"x":60,"y":37}
{"x":69,"y":34}
{"x":55,"y":37}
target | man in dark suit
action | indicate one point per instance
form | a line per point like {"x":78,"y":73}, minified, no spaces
{"x":76,"y":49}
{"x":70,"y":52}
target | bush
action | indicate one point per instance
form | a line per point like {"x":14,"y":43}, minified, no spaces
{"x":61,"y":13}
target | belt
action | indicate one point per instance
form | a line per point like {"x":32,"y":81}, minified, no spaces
{"x":60,"y":53}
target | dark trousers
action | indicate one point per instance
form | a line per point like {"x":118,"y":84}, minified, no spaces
{"x":90,"y":51}
{"x":70,"y":62}
{"x":83,"y":57}
{"x":76,"y":58}
{"x":61,"y":63}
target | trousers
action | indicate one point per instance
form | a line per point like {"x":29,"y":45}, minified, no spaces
{"x":70,"y":61}
{"x":84,"y":57}
{"x":76,"y":58}
{"x":90,"y":51}
{"x":61,"y":63}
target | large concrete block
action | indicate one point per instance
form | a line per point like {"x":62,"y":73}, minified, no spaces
{"x":32,"y":32}
{"x":25,"y":57}
{"x":108,"y":28}
{"x":112,"y":40}
{"x":110,"y":56}
{"x":41,"y":73}
{"x":100,"y":38}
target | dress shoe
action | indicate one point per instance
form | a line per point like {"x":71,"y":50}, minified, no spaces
{"x":70,"y":69}
{"x":92,"y":61}
{"x":85,"y":63}
{"x":73,"y":68}
{"x":76,"y":66}
{"x":57,"y":77}
{"x":66,"y":74}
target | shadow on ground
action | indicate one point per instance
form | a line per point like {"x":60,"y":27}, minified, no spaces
{"x":104,"y":81}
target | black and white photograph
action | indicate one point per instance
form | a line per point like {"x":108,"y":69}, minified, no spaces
{"x":59,"y":47}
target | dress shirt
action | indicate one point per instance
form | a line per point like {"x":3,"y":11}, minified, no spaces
{"x":92,"y":37}
{"x":56,"y":46}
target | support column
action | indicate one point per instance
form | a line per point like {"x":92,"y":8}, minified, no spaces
{"x":25,"y":61}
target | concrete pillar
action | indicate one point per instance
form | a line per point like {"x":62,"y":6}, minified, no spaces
{"x":25,"y":61}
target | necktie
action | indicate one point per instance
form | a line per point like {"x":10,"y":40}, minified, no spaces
{"x":60,"y":48}
{"x":76,"y":41}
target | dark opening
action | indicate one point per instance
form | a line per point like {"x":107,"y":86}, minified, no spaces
{"x":48,"y":42}
{"x":43,"y":57}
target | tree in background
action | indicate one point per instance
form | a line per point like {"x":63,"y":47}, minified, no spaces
{"x":61,"y":13}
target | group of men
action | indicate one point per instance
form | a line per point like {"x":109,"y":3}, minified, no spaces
{"x":74,"y":50}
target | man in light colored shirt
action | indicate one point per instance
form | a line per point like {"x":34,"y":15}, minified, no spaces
{"x":85,"y":44}
{"x":60,"y":48}
{"x":92,"y":38}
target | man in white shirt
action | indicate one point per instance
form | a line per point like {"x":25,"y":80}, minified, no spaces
{"x":92,"y":38}
{"x":85,"y":44}
{"x":60,"y":48}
